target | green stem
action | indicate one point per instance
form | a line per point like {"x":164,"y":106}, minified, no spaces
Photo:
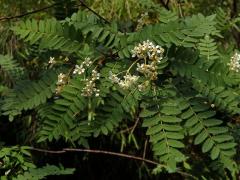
{"x":130,"y":67}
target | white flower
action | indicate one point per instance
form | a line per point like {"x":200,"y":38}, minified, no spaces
{"x":87,"y":62}
{"x":78,"y":70}
{"x":81,"y":69}
{"x":128,"y":81}
{"x":143,"y":20}
{"x":149,"y":70}
{"x":52,"y":60}
{"x":148,"y":50}
{"x":234,"y":64}
{"x":66,"y":59}
{"x":141,"y":87}
{"x":62,"y":79}
{"x":90,"y":88}
{"x":113,"y":77}
{"x":95,"y":75}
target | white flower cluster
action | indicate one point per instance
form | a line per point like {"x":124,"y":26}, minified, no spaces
{"x":143,"y":20}
{"x":143,"y":86}
{"x":149,"y":55}
{"x":149,"y":70}
{"x":90,"y":87}
{"x":126,"y":83}
{"x":81,"y":69}
{"x":62,"y":80}
{"x":113,"y":77}
{"x":147,"y":50}
{"x":235,"y":62}
{"x":66,"y":59}
{"x":52,"y":60}
{"x":78,"y":70}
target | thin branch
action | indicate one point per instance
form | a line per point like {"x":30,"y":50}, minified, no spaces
{"x":48,"y":151}
{"x":126,"y":130}
{"x":65,"y":150}
{"x":96,"y":151}
{"x":48,"y":7}
{"x":94,"y":12}
{"x":114,"y":154}
{"x":28,"y":13}
{"x":145,"y":148}
{"x":132,"y":128}
{"x":135,"y":125}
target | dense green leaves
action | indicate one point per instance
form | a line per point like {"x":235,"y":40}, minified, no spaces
{"x":207,"y":130}
{"x":28,"y":95}
{"x":164,"y":128}
{"x":11,"y":68}
{"x":49,"y":34}
{"x":59,"y":117}
{"x":225,"y":99}
{"x":43,"y":172}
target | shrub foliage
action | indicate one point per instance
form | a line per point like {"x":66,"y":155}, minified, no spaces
{"x":173,"y":78}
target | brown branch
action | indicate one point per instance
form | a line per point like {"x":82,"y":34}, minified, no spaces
{"x":126,"y":130}
{"x":132,"y":128}
{"x":145,"y":148}
{"x":96,"y":151}
{"x":28,"y":13}
{"x":48,"y":7}
{"x":48,"y":151}
{"x":135,"y":125}
{"x":114,"y":154}
{"x":65,"y":150}
{"x":98,"y":15}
